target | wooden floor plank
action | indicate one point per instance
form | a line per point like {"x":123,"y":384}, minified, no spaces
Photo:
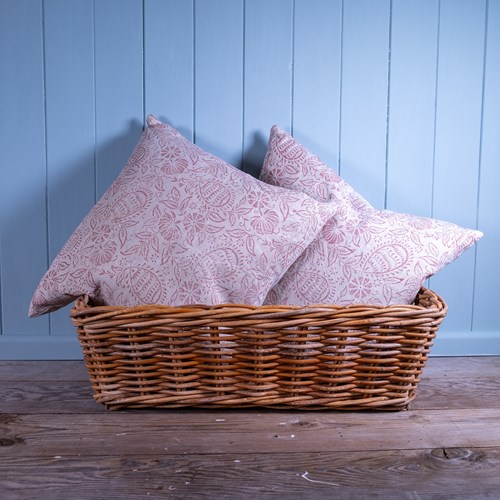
{"x":445,"y":393}
{"x":24,"y":371}
{"x":64,"y":387}
{"x":56,"y":441}
{"x":265,"y":432}
{"x":450,"y":367}
{"x":61,"y":396}
{"x":461,"y":367}
{"x":48,"y":397}
{"x":427,"y":473}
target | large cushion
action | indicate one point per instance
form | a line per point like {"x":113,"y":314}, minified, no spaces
{"x":363,"y":255}
{"x":180,"y":226}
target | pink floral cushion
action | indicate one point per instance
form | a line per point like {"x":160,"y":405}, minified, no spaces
{"x":362,"y":255}
{"x":180,"y":226}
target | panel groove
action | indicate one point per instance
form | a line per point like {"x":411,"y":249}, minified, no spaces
{"x":436,"y":95}
{"x":238,"y":163}
{"x":480,"y":161}
{"x":341,"y":79}
{"x":44,"y":69}
{"x":292,"y":76}
{"x":194,"y":71}
{"x":95,"y":100}
{"x":46,"y":158}
{"x":388,"y":120}
{"x":143,"y":60}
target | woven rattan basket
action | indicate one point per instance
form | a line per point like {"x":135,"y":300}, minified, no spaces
{"x":233,"y":356}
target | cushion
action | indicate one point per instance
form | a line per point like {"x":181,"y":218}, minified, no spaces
{"x":363,"y":255}
{"x":180,"y":226}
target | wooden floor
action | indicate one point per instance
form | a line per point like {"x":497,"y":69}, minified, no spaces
{"x":57,"y":443}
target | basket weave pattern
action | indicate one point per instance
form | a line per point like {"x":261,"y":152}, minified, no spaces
{"x":315,"y":357}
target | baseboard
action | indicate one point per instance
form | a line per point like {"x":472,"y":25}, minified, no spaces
{"x":26,"y":347}
{"x":31,"y":347}
{"x":466,"y":344}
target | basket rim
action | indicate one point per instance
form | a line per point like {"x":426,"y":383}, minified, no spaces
{"x":83,"y":306}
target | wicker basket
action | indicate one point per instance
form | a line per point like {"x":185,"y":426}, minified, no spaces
{"x":233,"y":356}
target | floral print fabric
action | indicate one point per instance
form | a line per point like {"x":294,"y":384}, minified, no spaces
{"x":362,"y":255}
{"x":180,"y":226}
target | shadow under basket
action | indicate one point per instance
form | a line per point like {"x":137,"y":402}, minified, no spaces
{"x":235,"y":356}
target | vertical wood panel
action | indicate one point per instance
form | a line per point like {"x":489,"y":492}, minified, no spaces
{"x":219,"y":77}
{"x":316,"y":77}
{"x":487,"y":291}
{"x":268,"y":75}
{"x":23,"y":244}
{"x":365,"y":62}
{"x":458,"y":122}
{"x":69,"y":51}
{"x":168,"y":62}
{"x":389,"y":91}
{"x":412,"y":105}
{"x":118,"y":93}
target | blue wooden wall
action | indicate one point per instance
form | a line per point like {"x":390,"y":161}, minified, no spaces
{"x":402,"y":97}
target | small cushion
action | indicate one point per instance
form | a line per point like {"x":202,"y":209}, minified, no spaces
{"x":362,"y":255}
{"x":180,"y":226}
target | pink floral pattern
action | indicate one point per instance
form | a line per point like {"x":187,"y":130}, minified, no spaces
{"x":362,"y":255}
{"x":180,"y":226}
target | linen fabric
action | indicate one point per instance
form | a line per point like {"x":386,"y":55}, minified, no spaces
{"x":363,"y":255}
{"x":181,"y":226}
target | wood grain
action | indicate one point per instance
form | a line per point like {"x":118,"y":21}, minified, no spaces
{"x":462,"y":368}
{"x":42,"y":371}
{"x":55,"y":441}
{"x":442,"y":394}
{"x":456,"y":472}
{"x":200,"y":432}
{"x":51,"y":396}
{"x":45,"y":387}
{"x":48,"y":397}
